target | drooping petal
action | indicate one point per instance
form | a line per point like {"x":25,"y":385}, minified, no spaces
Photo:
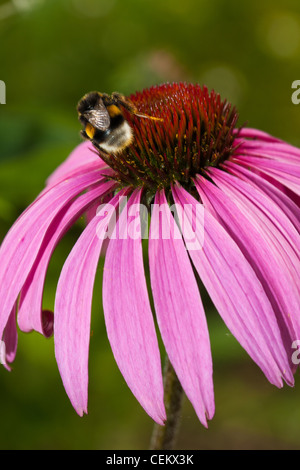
{"x":128,"y":317}
{"x":84,"y":154}
{"x":261,"y":251}
{"x":279,"y":150}
{"x":22,"y":243}
{"x":10,"y":340}
{"x":285,"y":170}
{"x":286,"y":204}
{"x":30,"y":305}
{"x":237,"y":294}
{"x":268,"y":215}
{"x":179,"y":310}
{"x":73,"y":303}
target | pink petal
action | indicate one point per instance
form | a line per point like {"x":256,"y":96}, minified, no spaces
{"x":73,"y":303}
{"x":179,"y":310}
{"x":128,"y":317}
{"x":83,"y":155}
{"x":261,"y":251}
{"x":286,"y":172}
{"x":238,"y":295}
{"x":269,"y":216}
{"x":282,"y":200}
{"x":22,"y":243}
{"x":248,"y":133}
{"x":30,"y":305}
{"x":92,"y":209}
{"x":278,"y":150}
{"x":10,"y":339}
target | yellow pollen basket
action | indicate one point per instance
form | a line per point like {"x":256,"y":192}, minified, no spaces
{"x":90,"y":130}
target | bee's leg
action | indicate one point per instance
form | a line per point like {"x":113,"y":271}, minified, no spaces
{"x":123,"y":101}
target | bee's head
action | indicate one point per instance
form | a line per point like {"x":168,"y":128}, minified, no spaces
{"x":89,"y":102}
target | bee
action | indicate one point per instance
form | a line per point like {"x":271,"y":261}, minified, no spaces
{"x":104,"y":123}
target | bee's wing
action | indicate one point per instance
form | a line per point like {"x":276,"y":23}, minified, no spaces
{"x":99,"y":117}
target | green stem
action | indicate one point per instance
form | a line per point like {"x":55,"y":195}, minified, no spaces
{"x":163,"y":437}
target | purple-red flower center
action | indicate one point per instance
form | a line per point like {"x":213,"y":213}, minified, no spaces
{"x":196,"y":132}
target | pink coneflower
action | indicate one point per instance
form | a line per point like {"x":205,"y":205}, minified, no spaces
{"x":246,"y":250}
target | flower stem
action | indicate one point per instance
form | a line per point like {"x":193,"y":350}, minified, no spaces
{"x":163,"y":437}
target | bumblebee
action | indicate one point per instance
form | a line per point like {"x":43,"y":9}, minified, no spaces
{"x":104,"y":123}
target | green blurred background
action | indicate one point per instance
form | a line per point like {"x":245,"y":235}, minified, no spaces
{"x":52,"y":52}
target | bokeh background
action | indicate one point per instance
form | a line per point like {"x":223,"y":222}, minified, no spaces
{"x":52,"y":52}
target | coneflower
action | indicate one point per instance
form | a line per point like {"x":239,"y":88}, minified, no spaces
{"x":237,"y":189}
